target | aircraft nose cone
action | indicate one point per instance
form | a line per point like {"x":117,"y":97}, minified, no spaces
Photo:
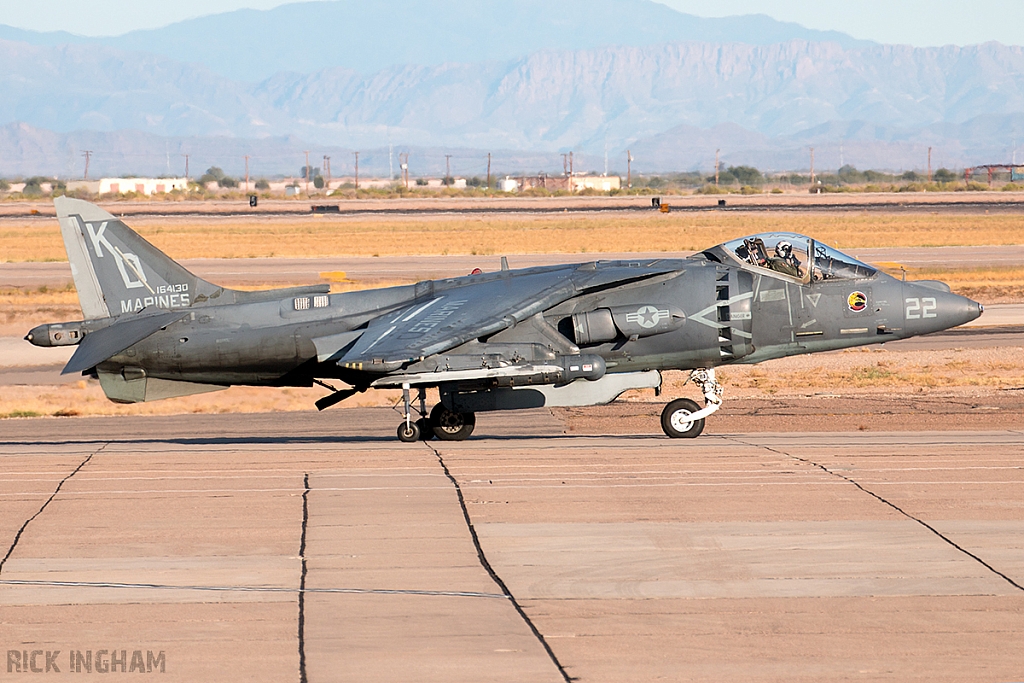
{"x":930,"y":310}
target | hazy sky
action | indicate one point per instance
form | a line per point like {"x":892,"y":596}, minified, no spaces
{"x":917,"y":22}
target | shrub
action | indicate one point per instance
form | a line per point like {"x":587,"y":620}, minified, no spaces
{"x":746,"y":175}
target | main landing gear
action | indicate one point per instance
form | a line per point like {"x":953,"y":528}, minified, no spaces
{"x":442,"y":423}
{"x":682,"y":418}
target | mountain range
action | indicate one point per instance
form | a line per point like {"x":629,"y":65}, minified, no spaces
{"x":529,"y":80}
{"x":252,"y":45}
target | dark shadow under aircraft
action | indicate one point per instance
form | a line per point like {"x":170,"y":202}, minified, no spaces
{"x":572,"y":335}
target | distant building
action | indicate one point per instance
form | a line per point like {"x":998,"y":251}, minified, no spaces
{"x":602,"y":183}
{"x":543,"y":182}
{"x":574,"y":183}
{"x":146,"y":186}
{"x":508,"y":184}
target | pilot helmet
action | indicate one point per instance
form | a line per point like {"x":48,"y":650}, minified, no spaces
{"x":783,"y":249}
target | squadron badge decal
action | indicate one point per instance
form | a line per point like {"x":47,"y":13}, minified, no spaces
{"x":857,"y":301}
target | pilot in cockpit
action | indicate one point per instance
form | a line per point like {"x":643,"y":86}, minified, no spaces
{"x":785,"y":261}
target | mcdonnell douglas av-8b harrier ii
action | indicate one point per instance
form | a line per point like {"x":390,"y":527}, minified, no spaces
{"x":573,"y":335}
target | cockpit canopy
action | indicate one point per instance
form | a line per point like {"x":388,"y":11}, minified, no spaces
{"x":795,"y":256}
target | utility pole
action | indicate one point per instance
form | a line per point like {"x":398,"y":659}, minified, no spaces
{"x":565,"y":165}
{"x":87,"y":154}
{"x":812,"y":169}
{"x":488,"y":170}
{"x":186,"y":168}
{"x":570,"y":172}
{"x":629,"y":169}
{"x":327,"y":169}
{"x":357,"y":169}
{"x":306,"y":169}
{"x":246,"y":173}
{"x":447,"y":169}
{"x":929,"y":164}
{"x":717,"y":151}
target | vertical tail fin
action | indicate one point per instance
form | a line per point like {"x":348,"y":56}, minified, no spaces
{"x":115,"y":270}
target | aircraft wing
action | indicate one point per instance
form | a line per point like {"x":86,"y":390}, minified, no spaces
{"x":454,"y":316}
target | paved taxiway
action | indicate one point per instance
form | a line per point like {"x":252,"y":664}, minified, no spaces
{"x":735,"y":557}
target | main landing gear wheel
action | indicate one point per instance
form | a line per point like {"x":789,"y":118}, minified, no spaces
{"x":407,"y":433}
{"x":451,"y":426}
{"x":676,"y":422}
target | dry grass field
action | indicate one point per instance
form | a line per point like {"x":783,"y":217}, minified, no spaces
{"x":246,"y":237}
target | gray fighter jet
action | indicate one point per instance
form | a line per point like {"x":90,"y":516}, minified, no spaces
{"x":572,"y":335}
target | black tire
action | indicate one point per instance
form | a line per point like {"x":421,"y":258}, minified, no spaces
{"x":426,"y":428}
{"x":407,"y":433}
{"x":451,"y":426}
{"x":674,"y":423}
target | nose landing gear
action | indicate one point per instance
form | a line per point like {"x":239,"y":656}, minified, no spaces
{"x":682,"y":419}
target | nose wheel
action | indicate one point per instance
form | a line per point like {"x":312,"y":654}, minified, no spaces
{"x":683,"y":418}
{"x":676,"y":419}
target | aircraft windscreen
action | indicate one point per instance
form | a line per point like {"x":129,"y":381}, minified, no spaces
{"x":832,"y":264}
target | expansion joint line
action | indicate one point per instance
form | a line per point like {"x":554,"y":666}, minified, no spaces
{"x":302,"y":580}
{"x":898,"y":509}
{"x":493,"y":574}
{"x":17,"y":536}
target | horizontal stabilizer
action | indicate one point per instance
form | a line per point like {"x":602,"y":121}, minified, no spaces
{"x":100,"y":345}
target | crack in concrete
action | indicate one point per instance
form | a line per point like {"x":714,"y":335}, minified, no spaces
{"x":493,"y":574}
{"x":302,"y":579}
{"x":895,"y":507}
{"x":17,"y":536}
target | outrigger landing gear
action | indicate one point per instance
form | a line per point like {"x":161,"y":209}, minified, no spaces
{"x":681,"y":418}
{"x":413,"y":430}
